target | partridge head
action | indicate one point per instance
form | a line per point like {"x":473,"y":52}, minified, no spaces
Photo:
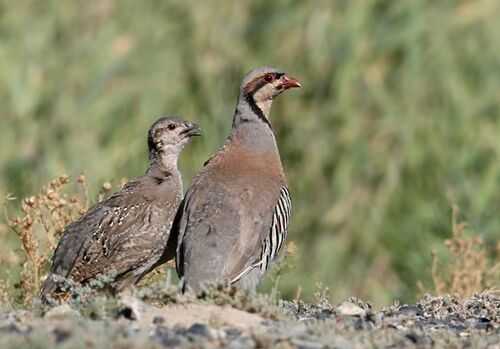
{"x":166,"y":139}
{"x":260,"y":86}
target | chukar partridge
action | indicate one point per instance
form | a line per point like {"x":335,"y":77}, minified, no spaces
{"x":126,"y":235}
{"x":234,"y":218}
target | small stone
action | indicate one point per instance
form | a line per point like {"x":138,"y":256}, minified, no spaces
{"x":303,"y":344}
{"x":243,"y":342}
{"x":409,"y":310}
{"x":17,"y":328}
{"x":232,"y":332}
{"x":132,"y":308}
{"x":167,"y":337}
{"x":201,"y":330}
{"x":158,"y":320}
{"x":350,"y":309}
{"x":128,"y":313}
{"x":413,"y":337}
{"x":61,"y":311}
{"x":61,"y":334}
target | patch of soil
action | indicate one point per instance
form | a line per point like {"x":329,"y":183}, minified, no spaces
{"x":134,"y":323}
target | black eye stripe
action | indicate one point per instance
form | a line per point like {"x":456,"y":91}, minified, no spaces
{"x":256,"y":84}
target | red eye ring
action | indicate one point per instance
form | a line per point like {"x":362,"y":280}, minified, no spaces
{"x":269,"y":77}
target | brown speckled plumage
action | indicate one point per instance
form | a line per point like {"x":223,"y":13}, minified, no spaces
{"x":126,"y":235}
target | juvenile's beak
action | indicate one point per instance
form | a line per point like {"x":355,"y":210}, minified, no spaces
{"x":289,"y":82}
{"x":192,"y":130}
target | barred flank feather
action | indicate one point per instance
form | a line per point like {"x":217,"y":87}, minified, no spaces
{"x":272,"y":245}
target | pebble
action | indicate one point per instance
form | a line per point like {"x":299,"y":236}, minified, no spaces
{"x":61,"y":312}
{"x":350,"y":309}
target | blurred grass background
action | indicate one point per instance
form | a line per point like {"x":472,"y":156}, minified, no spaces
{"x":398,"y":118}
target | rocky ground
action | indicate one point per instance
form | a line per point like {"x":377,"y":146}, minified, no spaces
{"x":229,"y":319}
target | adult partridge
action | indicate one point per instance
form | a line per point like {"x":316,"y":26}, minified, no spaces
{"x":234,"y":218}
{"x":125,"y":236}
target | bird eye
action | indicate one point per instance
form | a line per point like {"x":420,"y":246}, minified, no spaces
{"x":269,"y":77}
{"x":171,"y":127}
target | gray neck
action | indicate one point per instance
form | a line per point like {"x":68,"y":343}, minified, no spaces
{"x":162,"y":165}
{"x":251,"y":127}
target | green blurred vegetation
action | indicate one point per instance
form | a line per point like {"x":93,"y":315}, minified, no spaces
{"x":398,"y":118}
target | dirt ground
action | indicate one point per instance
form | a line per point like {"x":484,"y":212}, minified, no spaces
{"x":235,"y":321}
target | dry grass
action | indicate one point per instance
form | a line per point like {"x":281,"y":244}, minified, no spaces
{"x":42,"y":220}
{"x":4,"y":294}
{"x":157,"y":275}
{"x":473,"y":266}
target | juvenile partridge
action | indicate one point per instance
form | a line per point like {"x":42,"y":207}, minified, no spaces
{"x":125,"y":236}
{"x":234,"y":218}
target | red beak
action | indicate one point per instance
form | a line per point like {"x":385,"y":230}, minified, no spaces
{"x":290,"y":82}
